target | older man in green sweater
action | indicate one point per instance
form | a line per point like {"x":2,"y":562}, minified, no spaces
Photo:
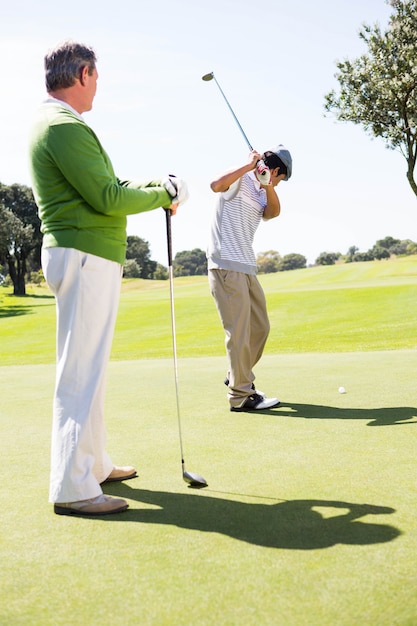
{"x":83,"y":208}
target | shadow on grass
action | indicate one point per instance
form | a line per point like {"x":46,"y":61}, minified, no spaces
{"x":20,"y":309}
{"x":292,"y":524}
{"x":14,"y":311}
{"x":387,"y":416}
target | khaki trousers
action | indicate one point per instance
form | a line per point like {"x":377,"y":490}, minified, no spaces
{"x":241,"y":304}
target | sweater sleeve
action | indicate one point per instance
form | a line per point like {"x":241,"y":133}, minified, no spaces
{"x":77,"y":152}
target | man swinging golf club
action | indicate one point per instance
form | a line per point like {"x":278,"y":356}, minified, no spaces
{"x":241,"y":204}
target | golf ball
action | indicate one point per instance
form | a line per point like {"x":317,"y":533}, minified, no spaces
{"x":342,"y":390}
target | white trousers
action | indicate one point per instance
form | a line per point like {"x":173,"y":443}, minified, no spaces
{"x":87,"y":290}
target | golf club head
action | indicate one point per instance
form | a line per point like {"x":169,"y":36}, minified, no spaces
{"x":194,"y":480}
{"x":208,"y":76}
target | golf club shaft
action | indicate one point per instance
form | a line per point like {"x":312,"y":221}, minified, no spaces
{"x":261,"y":171}
{"x":233,"y":113}
{"x":174,"y":334}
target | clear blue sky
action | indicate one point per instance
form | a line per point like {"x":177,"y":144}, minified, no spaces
{"x":154,"y":114}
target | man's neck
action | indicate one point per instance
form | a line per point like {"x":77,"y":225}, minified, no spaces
{"x":63,"y":103}
{"x":67,"y":96}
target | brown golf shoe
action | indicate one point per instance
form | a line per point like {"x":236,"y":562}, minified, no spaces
{"x":101,"y":505}
{"x":121,"y":473}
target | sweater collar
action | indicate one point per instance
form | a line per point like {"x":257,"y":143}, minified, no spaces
{"x":67,"y":106}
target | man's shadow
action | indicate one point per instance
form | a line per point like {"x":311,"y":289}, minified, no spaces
{"x":387,"y":416}
{"x":292,"y":524}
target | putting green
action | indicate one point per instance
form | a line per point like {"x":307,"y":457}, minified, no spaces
{"x":309,"y":517}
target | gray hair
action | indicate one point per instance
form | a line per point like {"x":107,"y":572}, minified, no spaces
{"x":65,"y":62}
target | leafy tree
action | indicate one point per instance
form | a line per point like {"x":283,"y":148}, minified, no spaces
{"x":378,"y":90}
{"x":16,"y":243}
{"x":387,"y":242}
{"x":396,"y":246}
{"x":22,"y":237}
{"x":268,"y":262}
{"x":138,"y":250}
{"x":379,"y":252}
{"x":19,"y":199}
{"x":131,"y":269}
{"x":190,"y":263}
{"x":292,"y":262}
{"x":382,"y":249}
{"x":351,"y":253}
{"x":327,"y":258}
{"x":400,"y":247}
{"x":161,"y":272}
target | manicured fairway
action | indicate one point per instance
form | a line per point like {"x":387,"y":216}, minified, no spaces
{"x":352,"y":307}
{"x":309,"y":518}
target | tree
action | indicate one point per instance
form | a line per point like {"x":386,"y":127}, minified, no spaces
{"x":16,"y":243}
{"x":22,"y":237}
{"x":131,"y":269}
{"x":268,"y":262}
{"x":351,"y":253}
{"x":190,"y":263}
{"x":379,"y":252}
{"x":387,"y":242}
{"x":292,"y":262}
{"x":19,"y":199}
{"x":161,"y":272}
{"x":400,"y":247}
{"x":396,"y":246}
{"x":363,"y":256}
{"x":378,"y":90}
{"x":327,"y":258}
{"x":138,"y":250}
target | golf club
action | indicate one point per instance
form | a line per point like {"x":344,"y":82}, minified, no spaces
{"x":194,"y":480}
{"x":262,"y":171}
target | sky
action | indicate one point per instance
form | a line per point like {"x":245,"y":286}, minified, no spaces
{"x":154,"y":115}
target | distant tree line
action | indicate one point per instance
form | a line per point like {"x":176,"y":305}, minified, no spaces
{"x":271,"y":261}
{"x":21,"y":241}
{"x":140,"y":265}
{"x":382,"y":249}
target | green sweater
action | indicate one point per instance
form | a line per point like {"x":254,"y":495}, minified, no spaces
{"x":81,"y":202}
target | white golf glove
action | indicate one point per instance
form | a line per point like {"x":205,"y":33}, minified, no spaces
{"x":176,"y":188}
{"x":262,"y":173}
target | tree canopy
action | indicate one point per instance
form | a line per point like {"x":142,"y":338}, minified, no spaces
{"x":268,"y":262}
{"x":20,"y":235}
{"x":138,"y":259}
{"x":292,"y":261}
{"x":378,"y":90}
{"x":190,"y":263}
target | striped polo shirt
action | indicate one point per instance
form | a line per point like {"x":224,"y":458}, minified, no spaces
{"x":237,"y":216}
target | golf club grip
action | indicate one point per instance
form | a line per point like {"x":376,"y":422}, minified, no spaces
{"x":169,"y":236}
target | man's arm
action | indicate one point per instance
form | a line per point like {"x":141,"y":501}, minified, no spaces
{"x":273,"y":206}
{"x":225,"y":180}
{"x":84,"y":164}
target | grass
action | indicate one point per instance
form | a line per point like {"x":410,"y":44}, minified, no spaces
{"x":309,"y":517}
{"x":358,"y":306}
